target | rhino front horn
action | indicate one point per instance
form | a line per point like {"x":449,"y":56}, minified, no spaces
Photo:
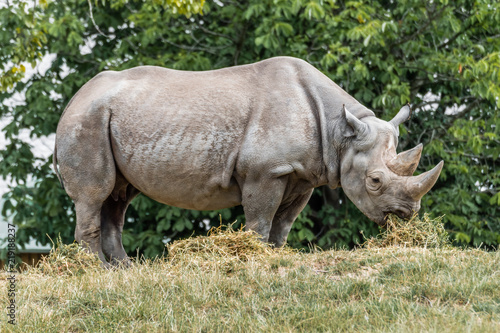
{"x":421,"y":184}
{"x":405,"y":163}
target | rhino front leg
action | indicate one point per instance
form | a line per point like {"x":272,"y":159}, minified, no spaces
{"x":260,"y":200}
{"x":285,"y":216}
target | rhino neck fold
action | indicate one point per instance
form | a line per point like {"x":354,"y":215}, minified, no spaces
{"x":331,"y":151}
{"x":327,"y":124}
{"x":329,"y":104}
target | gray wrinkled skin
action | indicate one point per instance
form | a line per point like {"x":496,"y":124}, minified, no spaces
{"x":260,"y":135}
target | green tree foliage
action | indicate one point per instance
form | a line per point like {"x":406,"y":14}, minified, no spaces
{"x":441,"y":56}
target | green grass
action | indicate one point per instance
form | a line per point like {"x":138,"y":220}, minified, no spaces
{"x":390,"y":289}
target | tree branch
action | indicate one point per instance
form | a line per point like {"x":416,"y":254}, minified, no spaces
{"x":93,"y":22}
{"x":213,"y":33}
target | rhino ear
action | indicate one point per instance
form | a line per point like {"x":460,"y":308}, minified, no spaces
{"x":355,"y":127}
{"x":403,"y":115}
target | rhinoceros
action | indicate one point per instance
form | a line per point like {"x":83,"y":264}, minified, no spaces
{"x":262,"y":135}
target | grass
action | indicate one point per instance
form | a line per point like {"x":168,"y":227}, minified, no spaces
{"x":231,"y":282}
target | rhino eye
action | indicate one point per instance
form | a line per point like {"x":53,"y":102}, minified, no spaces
{"x":374,"y":182}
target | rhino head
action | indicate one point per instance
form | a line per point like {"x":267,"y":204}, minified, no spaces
{"x":377,"y":179}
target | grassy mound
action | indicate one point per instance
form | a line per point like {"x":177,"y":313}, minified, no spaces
{"x":69,"y":259}
{"x":412,"y":232}
{"x":230,"y":281}
{"x":392,"y":289}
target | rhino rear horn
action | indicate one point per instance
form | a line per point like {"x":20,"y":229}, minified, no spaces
{"x":405,"y":163}
{"x":419,"y":185}
{"x":403,"y":115}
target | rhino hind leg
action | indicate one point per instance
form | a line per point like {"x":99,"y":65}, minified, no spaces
{"x":87,"y":168}
{"x":112,"y":220}
{"x":88,"y":234}
{"x":284,"y":218}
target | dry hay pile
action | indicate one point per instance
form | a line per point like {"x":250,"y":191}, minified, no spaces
{"x":222,"y":246}
{"x":412,"y":232}
{"x":69,"y":259}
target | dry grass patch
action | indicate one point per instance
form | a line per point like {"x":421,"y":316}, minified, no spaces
{"x":412,"y":232}
{"x":222,"y":246}
{"x":221,"y":241}
{"x":65,"y":259}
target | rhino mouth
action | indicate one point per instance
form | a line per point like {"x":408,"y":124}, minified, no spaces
{"x":381,"y":217}
{"x":402,"y":213}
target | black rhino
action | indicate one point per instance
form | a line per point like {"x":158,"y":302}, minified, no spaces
{"x":261,"y":135}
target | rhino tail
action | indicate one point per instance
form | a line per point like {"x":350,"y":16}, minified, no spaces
{"x":54,"y":164}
